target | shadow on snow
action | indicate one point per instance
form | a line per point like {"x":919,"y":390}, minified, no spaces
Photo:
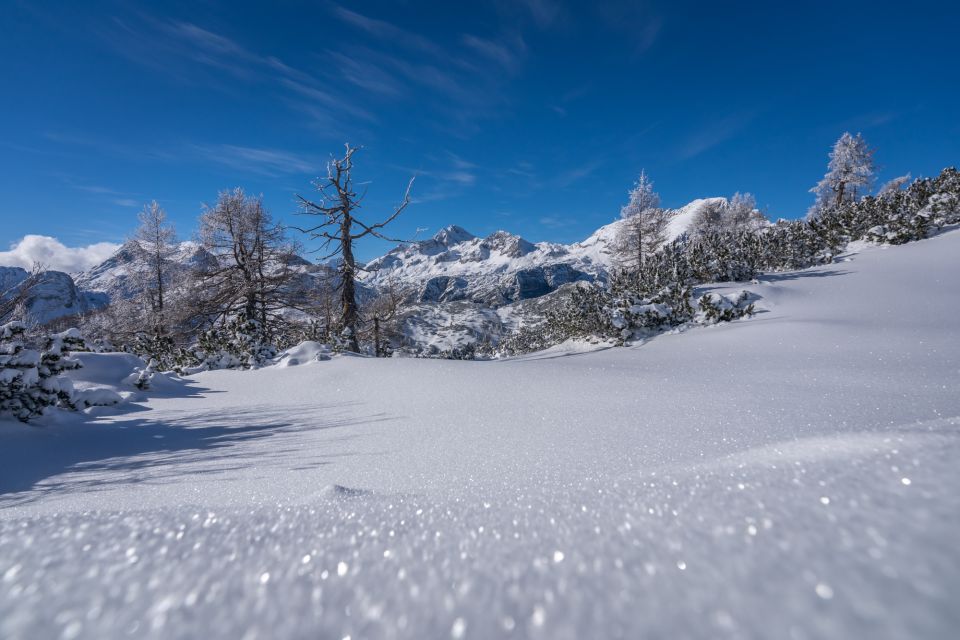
{"x":86,"y":453}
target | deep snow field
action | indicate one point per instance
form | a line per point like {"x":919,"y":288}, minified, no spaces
{"x":794,"y":475}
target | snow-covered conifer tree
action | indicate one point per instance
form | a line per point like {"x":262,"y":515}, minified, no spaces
{"x":850,"y":174}
{"x":30,"y":370}
{"x":742,"y":213}
{"x":892,"y":186}
{"x":645,"y":225}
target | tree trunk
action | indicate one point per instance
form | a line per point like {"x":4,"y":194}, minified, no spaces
{"x":639,"y":254}
{"x":348,"y":293}
{"x":840,"y":190}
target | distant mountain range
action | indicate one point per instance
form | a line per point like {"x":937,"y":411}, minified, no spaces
{"x":504,"y":268}
{"x":483,"y":276}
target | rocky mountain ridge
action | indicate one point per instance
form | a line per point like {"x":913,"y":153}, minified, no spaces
{"x":482,"y":275}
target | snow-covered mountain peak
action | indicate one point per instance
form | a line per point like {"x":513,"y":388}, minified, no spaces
{"x":453,"y":234}
{"x":508,"y":244}
{"x":682,"y":219}
{"x":504,"y":267}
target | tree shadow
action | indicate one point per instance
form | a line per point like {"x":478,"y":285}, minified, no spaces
{"x":787,"y":276}
{"x":96,"y":452}
{"x":539,"y":355}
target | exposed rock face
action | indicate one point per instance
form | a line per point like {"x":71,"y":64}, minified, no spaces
{"x":504,"y":268}
{"x":500,"y":269}
{"x":54,"y":296}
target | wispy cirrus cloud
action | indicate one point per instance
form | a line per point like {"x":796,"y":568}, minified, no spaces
{"x":464,"y":77}
{"x":575,"y":174}
{"x":555,"y":222}
{"x":639,"y":21}
{"x":193,"y":54}
{"x":265,"y":162}
{"x":508,"y":53}
{"x":259,"y":161}
{"x":109,"y":145}
{"x":443,"y":185}
{"x":106,"y":194}
{"x":449,"y":176}
{"x":713,"y":135}
{"x":545,"y":13}
{"x":367,"y":72}
{"x":93,"y":188}
{"x":387,"y":31}
{"x":867,"y":120}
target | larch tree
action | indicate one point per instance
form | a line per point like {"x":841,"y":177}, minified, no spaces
{"x":710,"y":217}
{"x":645,"y":225}
{"x":742,"y":213}
{"x":339,"y":228}
{"x":738,"y":213}
{"x":894,"y":185}
{"x":251,"y":275}
{"x":850,"y":173}
{"x":155,"y":246}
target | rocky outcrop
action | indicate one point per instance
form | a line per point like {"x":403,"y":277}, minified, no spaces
{"x":54,"y":296}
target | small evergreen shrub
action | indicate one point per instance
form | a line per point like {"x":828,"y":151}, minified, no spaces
{"x":31,"y":374}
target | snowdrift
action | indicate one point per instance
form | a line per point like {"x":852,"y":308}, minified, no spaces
{"x":793,"y":475}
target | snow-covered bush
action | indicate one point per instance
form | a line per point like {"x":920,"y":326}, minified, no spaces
{"x":900,"y":229}
{"x":715,"y":307}
{"x":143,"y":377}
{"x":944,"y":208}
{"x":632,"y":313}
{"x":30,"y":374}
{"x":464,"y":352}
{"x":241,"y":343}
{"x":790,"y":245}
{"x":162,"y":352}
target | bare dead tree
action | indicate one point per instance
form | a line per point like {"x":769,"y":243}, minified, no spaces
{"x":339,"y":229}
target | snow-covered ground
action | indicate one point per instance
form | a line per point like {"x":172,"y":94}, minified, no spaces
{"x":793,"y":475}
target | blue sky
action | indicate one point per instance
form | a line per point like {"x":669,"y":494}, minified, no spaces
{"x":528,"y":115}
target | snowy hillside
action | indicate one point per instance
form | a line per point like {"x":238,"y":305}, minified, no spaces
{"x":793,"y":475}
{"x":599,"y":246}
{"x":112,"y":276}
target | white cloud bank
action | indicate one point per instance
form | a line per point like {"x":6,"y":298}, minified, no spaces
{"x":55,"y":255}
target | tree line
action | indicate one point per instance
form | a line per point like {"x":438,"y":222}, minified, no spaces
{"x":652,"y":288}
